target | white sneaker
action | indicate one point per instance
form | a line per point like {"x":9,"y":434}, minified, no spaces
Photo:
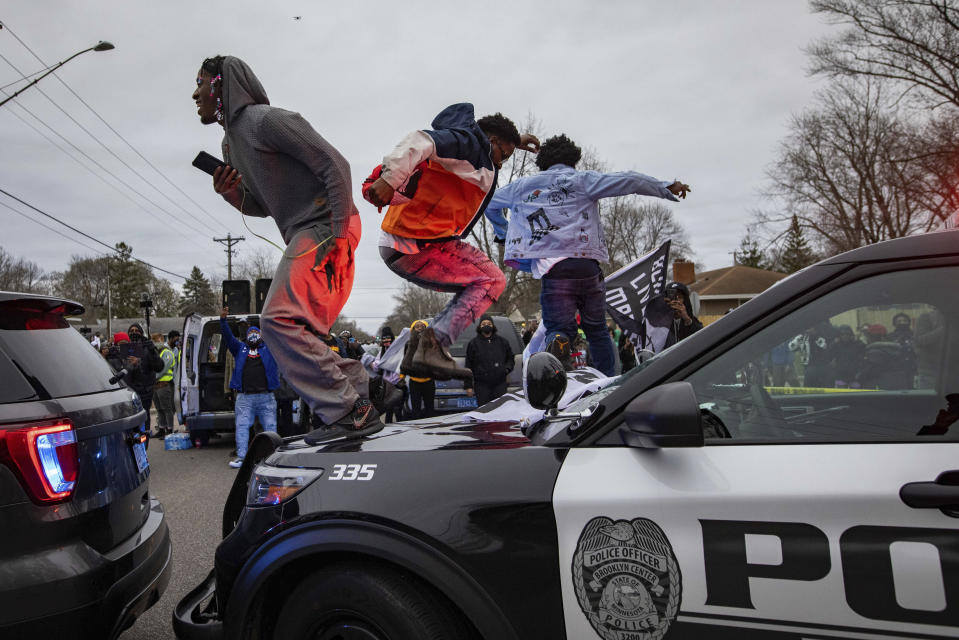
{"x":236,"y":464}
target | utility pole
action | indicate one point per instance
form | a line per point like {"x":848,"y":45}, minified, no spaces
{"x":109,"y":311}
{"x":229,"y":241}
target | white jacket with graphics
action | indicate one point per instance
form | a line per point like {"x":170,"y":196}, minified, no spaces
{"x":553,"y":214}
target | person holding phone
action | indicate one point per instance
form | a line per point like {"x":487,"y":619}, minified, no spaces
{"x":133,"y":353}
{"x":277,"y":165}
{"x":684,"y":323}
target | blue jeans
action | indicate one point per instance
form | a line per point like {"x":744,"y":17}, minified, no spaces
{"x":249,"y":406}
{"x":562,"y":298}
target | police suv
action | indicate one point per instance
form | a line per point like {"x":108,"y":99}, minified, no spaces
{"x":730,"y":487}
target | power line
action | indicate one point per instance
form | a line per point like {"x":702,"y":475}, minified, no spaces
{"x":49,"y":228}
{"x":117,"y":133}
{"x":105,"y":170}
{"x":26,"y":77}
{"x":86,"y":235}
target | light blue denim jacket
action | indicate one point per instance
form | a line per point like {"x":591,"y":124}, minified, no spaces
{"x":553,"y":214}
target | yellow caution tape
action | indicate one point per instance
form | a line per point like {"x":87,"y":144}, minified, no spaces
{"x":801,"y":391}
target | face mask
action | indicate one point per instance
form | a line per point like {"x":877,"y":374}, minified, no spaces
{"x":486,"y":329}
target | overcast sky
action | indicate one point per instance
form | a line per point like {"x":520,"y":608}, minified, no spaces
{"x":700,"y":91}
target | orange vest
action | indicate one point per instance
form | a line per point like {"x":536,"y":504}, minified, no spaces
{"x":443,"y":206}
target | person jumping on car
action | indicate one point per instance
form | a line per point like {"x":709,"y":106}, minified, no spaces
{"x":555,"y":232}
{"x":437,"y":183}
{"x":277,"y":165}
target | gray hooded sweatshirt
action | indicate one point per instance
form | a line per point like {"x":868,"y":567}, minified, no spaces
{"x":290,"y":173}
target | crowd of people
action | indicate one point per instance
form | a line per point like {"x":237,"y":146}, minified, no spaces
{"x":830,"y":356}
{"x":259,"y":392}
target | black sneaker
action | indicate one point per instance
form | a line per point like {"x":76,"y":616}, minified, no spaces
{"x":362,"y":421}
{"x":562,"y":350}
{"x":365,"y":419}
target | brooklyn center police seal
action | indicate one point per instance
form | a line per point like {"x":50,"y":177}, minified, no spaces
{"x":626,"y":578}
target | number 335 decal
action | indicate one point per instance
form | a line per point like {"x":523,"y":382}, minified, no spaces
{"x":353,"y":472}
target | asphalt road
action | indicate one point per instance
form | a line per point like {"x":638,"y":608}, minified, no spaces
{"x":192,"y":484}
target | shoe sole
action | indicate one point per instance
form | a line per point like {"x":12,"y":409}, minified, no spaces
{"x":365,"y":431}
{"x":322,"y":435}
{"x":332,"y":433}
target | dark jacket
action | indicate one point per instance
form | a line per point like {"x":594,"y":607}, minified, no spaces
{"x":679,"y":331}
{"x":240,"y":352}
{"x":142,"y":377}
{"x":491,"y":359}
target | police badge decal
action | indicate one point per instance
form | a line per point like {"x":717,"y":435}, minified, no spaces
{"x":627,"y":579}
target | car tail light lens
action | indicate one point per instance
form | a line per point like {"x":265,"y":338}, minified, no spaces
{"x":273,"y":485}
{"x":44,"y":457}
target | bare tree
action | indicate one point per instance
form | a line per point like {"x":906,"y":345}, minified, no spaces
{"x":633,"y":227}
{"x":254,"y":265}
{"x":913,"y":43}
{"x":413,"y":303}
{"x":19,"y":274}
{"x":840,"y":171}
{"x":934,"y":152}
{"x":86,"y":280}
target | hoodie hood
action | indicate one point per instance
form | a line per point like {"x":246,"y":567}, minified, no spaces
{"x":457,"y":135}
{"x":482,"y":319}
{"x":241,"y":88}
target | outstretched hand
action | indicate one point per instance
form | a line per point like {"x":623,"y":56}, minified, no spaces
{"x":336,"y":263}
{"x":226,"y":179}
{"x":679,"y":189}
{"x":529,"y":142}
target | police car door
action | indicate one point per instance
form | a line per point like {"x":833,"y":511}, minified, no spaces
{"x":820,"y":503}
{"x":189,"y":362}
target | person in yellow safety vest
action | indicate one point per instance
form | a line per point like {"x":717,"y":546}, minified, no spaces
{"x":173,"y":342}
{"x":163,"y":389}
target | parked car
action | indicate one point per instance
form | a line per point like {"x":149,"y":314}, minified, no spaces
{"x":84,"y":547}
{"x":700,"y":495}
{"x":450,"y":395}
{"x":206,"y":404}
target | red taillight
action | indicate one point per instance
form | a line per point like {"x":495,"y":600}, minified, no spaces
{"x":44,"y":457}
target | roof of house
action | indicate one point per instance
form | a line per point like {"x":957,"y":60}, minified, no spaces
{"x":734,"y":281}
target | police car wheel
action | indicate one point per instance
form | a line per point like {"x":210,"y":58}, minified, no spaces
{"x":366,"y":601}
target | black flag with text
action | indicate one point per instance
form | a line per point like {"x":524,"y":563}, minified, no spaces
{"x":631,"y":289}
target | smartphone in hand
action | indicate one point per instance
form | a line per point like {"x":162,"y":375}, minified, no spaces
{"x":207,"y":163}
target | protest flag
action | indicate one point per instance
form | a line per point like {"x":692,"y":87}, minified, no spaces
{"x":635,"y":302}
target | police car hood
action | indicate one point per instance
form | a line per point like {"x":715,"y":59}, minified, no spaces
{"x":449,"y":432}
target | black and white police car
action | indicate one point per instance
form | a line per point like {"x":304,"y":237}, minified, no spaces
{"x":712,"y":492}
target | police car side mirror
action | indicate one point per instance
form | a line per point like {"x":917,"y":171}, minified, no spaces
{"x":544,"y":381}
{"x":664,"y":416}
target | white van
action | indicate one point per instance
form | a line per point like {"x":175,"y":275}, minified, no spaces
{"x":204,"y":398}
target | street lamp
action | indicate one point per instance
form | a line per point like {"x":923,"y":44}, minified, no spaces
{"x":146,"y":304}
{"x":101,"y":46}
